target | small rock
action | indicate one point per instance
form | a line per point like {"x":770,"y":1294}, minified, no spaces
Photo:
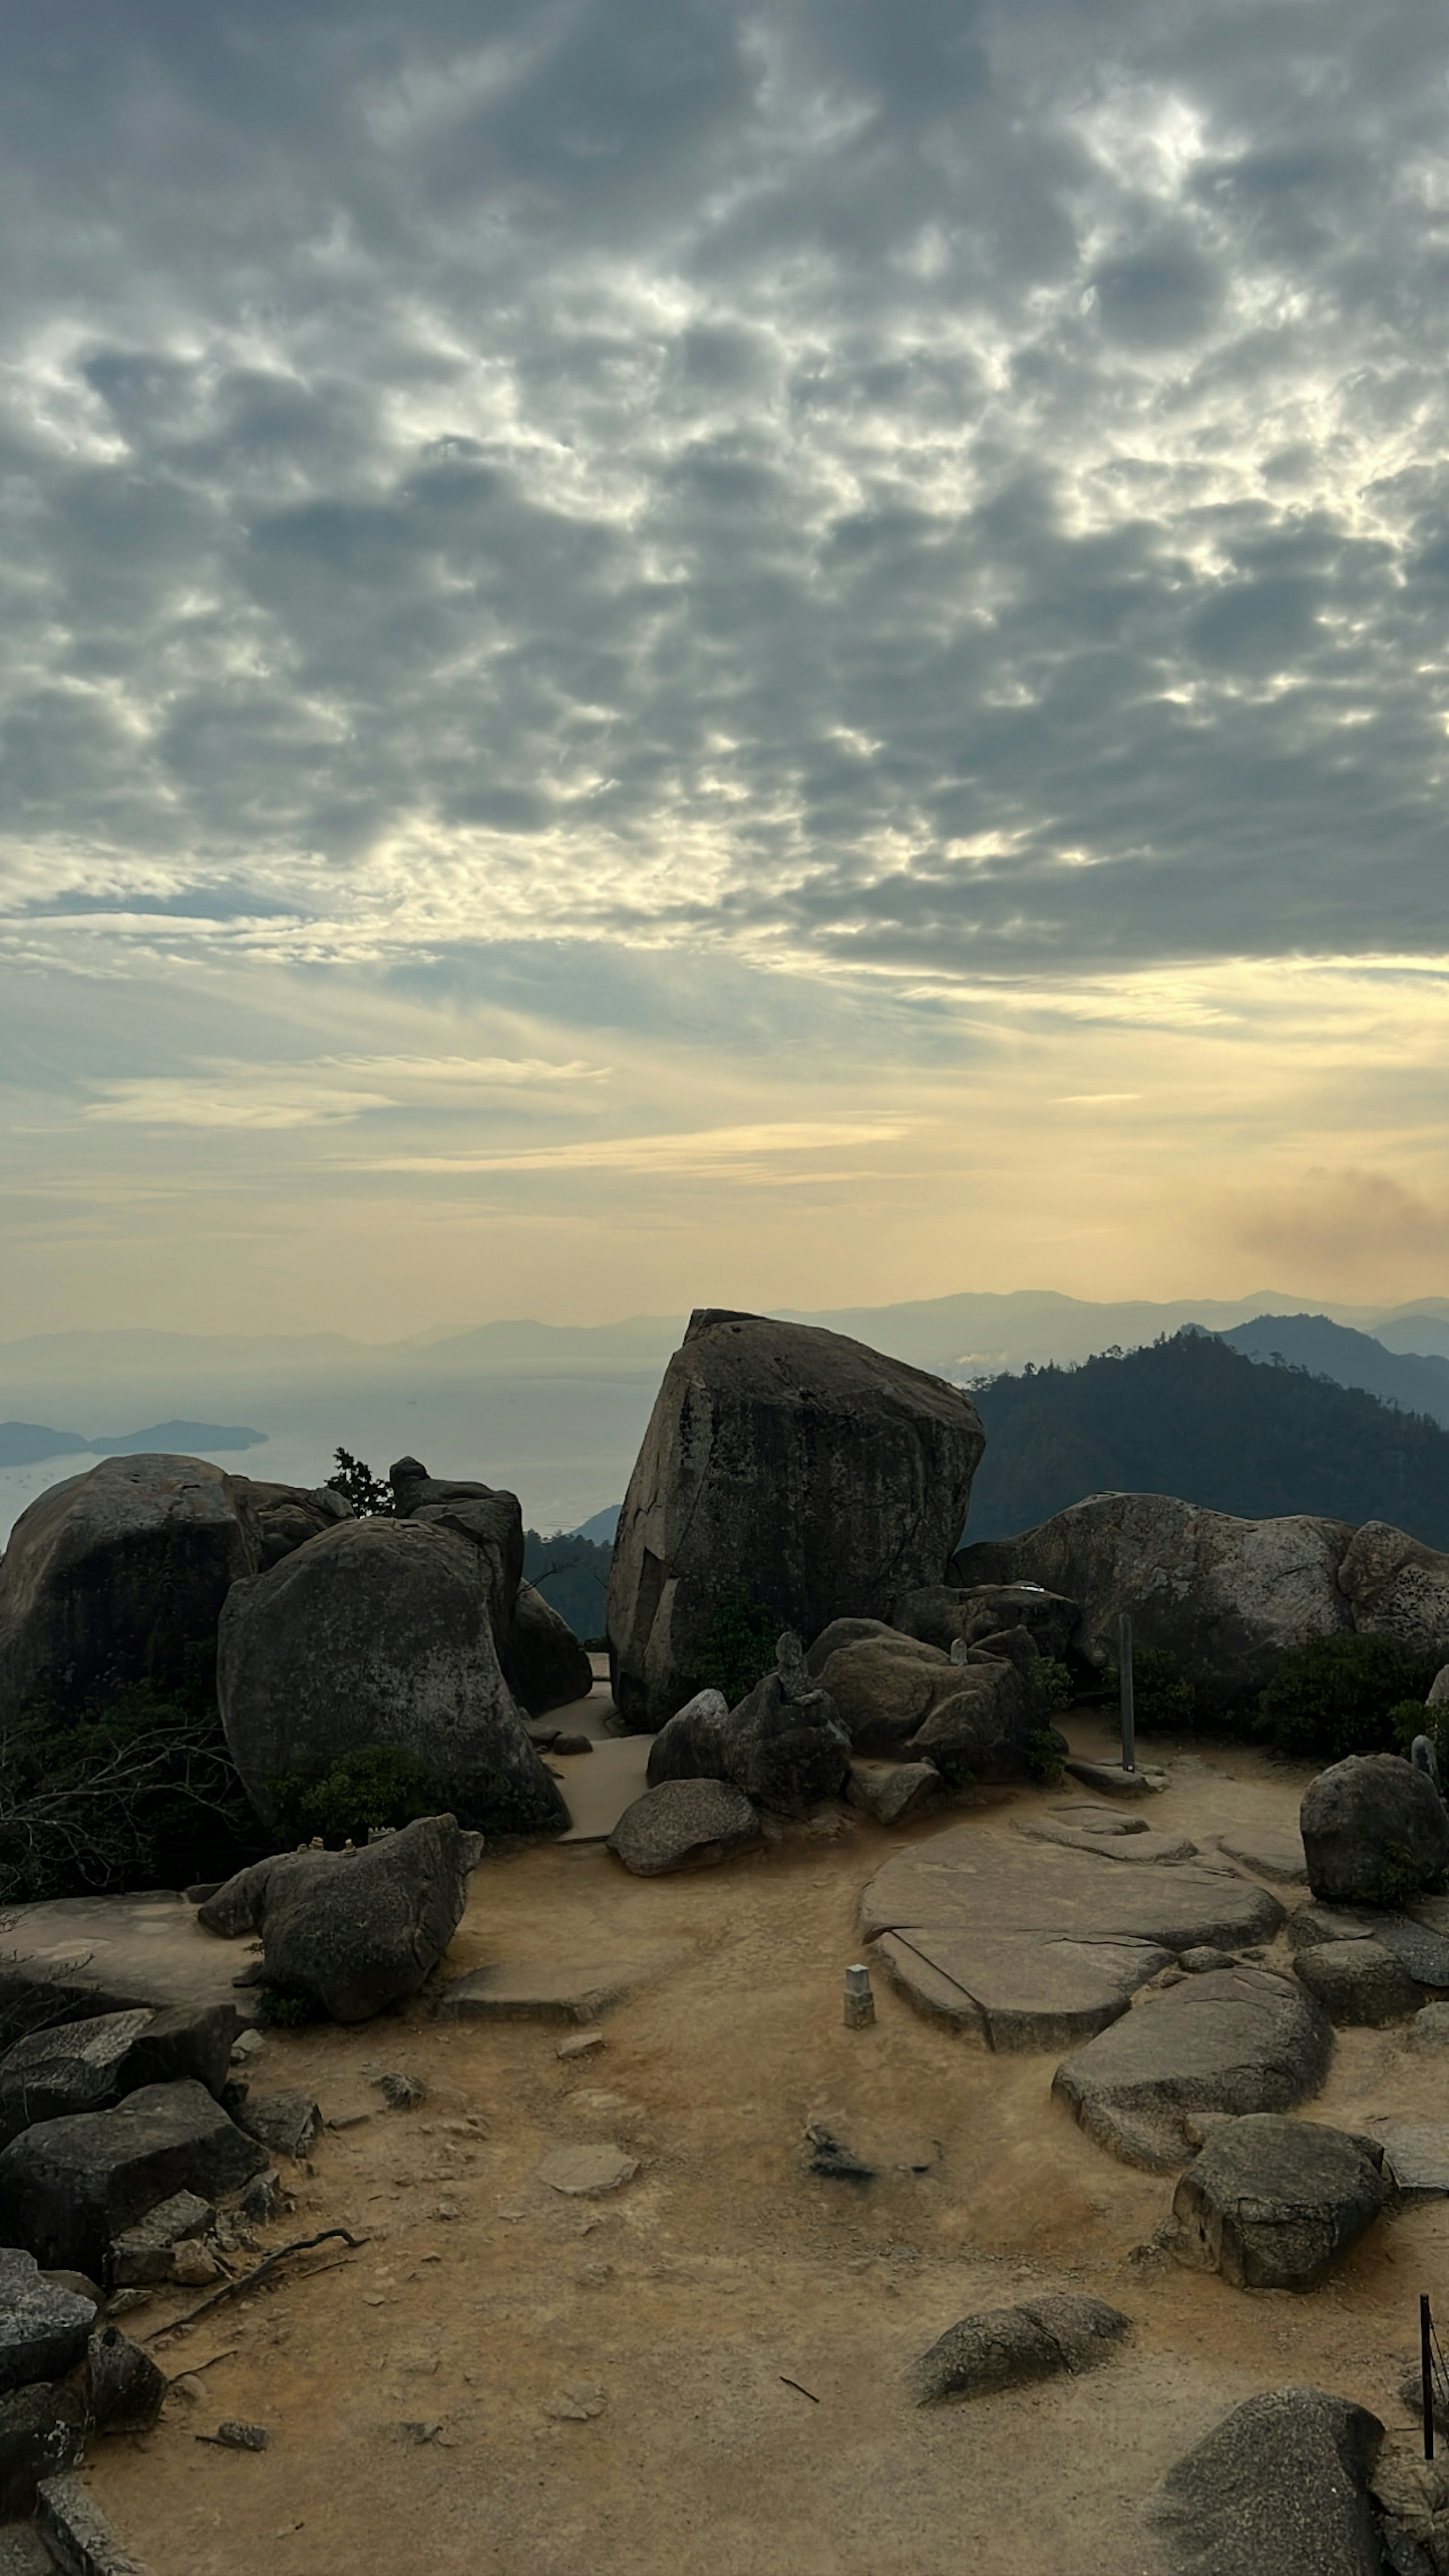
{"x":42,"y":2431}
{"x":402,"y":2092}
{"x":1203,"y":1957}
{"x":260,"y":2200}
{"x":573,"y":1744}
{"x":418,"y":2430}
{"x":890,"y":1791}
{"x":235,"y":2436}
{"x":684,"y":1824}
{"x":577,"y":2405}
{"x":1006,"y":2347}
{"x":126,"y":2387}
{"x":582,"y":2043}
{"x":193,"y":2264}
{"x":188,"y":2388}
{"x":587,"y":2172}
{"x":827,"y":2153}
{"x":1429,"y":2028}
{"x":288,"y":2124}
{"x":147,"y":2251}
{"x":1360,"y":1984}
{"x":249,"y":2045}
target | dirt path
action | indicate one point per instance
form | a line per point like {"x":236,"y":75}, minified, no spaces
{"x":408,"y":2389}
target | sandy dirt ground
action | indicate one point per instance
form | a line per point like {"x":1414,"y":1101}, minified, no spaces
{"x":408,"y":2386}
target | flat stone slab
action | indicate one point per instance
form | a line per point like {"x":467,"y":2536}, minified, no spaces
{"x":532,"y":1990}
{"x":1093,"y":1818}
{"x":1421,"y":1949}
{"x":598,"y":1786}
{"x":100,"y":1954}
{"x":1267,"y":1854}
{"x":1144,"y":1846}
{"x":966,"y":1880}
{"x":1018,"y":1991}
{"x":1234,"y":2039}
{"x":1416,"y":2153}
{"x":1112,"y":1780}
{"x":585,"y":2173}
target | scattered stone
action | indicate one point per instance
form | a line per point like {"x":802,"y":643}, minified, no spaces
{"x":70,"y":2186}
{"x":402,"y":2092}
{"x":1360,"y":1984}
{"x":1375,"y":1831}
{"x":579,"y":2405}
{"x":1429,"y":2028}
{"x":684,"y":1824}
{"x":127,"y":2390}
{"x":998,"y":2348}
{"x":251,"y":2042}
{"x":42,"y":2430}
{"x":586,"y":2173}
{"x":354,"y":1933}
{"x":573,"y":1744}
{"x":1267,"y":1854}
{"x":1238,"y":2039}
{"x":1202,"y":1957}
{"x":194,"y":2264}
{"x":146,"y":2252}
{"x":1281,"y":2484}
{"x":826,"y":2152}
{"x":382,"y":1631}
{"x":288,"y":2124}
{"x":1271,"y":2204}
{"x":1416,"y":2153}
{"x":1213,"y":1591}
{"x":891,"y":1791}
{"x":43,"y":2328}
{"x":190,"y":2388}
{"x":89,"y":2065}
{"x":418,"y":2431}
{"x":580,"y":2043}
{"x":1413,"y":2496}
{"x":822,"y":1475}
{"x":235,"y":2436}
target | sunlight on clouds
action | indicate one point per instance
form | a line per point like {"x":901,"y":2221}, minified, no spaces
{"x":699,"y":1152}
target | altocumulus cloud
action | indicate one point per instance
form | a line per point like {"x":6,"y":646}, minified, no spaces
{"x":881,"y":485}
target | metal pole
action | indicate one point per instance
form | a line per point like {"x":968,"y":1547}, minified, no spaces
{"x":1426,"y":2373}
{"x":1124,"y":1666}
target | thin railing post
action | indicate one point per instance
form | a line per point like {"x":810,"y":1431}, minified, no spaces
{"x":1124,"y":1666}
{"x":1426,"y":2372}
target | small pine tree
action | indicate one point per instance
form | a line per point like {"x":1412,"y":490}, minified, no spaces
{"x":356,"y":1483}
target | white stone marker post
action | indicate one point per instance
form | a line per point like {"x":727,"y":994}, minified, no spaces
{"x":859,"y":2001}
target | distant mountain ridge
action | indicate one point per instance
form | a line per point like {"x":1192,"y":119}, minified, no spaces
{"x":1417,"y":1381}
{"x":1194,"y":1417}
{"x":25,"y":1444}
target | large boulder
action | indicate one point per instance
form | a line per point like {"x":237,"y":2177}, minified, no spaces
{"x":817,"y":1475}
{"x":885,"y":1686}
{"x":284,"y":1517}
{"x":1216,"y":1593}
{"x":111,"y":1576}
{"x":379,"y":1633}
{"x":1233,"y":2039}
{"x":1272,"y":2203}
{"x":68,"y":2186}
{"x":353,"y":1931}
{"x":1396,"y":1587}
{"x":543,"y":1663}
{"x":1282,"y":2484}
{"x":487,"y":1516}
{"x":784,"y":1745}
{"x":897,"y":1695}
{"x":1374,"y":1831}
{"x":684,"y":1824}
{"x":88,"y":2065}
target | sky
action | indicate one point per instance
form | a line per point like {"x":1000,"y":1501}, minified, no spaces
{"x":661,"y":652}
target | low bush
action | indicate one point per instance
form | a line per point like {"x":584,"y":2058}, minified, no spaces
{"x":375,"y":1785}
{"x":1337,"y":1695}
{"x":740,"y":1646}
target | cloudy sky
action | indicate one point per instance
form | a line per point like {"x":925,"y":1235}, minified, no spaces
{"x":658,"y":650}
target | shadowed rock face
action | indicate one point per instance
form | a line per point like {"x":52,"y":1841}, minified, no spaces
{"x":380,"y":1632}
{"x":823,"y":1477}
{"x":1204,"y":1587}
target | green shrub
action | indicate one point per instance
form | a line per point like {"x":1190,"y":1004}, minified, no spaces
{"x":1344,"y":1694}
{"x":285,"y":2008}
{"x":1043,"y":1758}
{"x":356,"y":1483}
{"x":740,"y":1646}
{"x":374,"y":1785}
{"x":140,"y":1792}
{"x":1049,"y":1686}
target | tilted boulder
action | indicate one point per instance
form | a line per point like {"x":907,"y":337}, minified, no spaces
{"x":68,"y":2186}
{"x":1270,"y":2204}
{"x":972,"y":1612}
{"x":816,"y":1475}
{"x":543,"y":1663}
{"x":984,"y":1727}
{"x":1374,"y":1831}
{"x":353,"y":1931}
{"x":784,"y":1744}
{"x":1214,"y":1592}
{"x":1396,"y":1587}
{"x":690,"y":1744}
{"x":1282,"y":2484}
{"x":379,"y":1633}
{"x":89,"y":2065}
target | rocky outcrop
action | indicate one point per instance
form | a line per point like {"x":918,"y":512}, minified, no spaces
{"x":380,"y":1633}
{"x":899,"y":1697}
{"x":1374,"y":1831}
{"x":487,"y":1516}
{"x":784,"y":1745}
{"x":1271,"y":2204}
{"x":89,"y":2065}
{"x":543,"y":1663}
{"x":684,"y":1824}
{"x":112,"y":1577}
{"x":1282,"y":2484}
{"x":1234,"y":2039}
{"x":1216,"y":1593}
{"x":69,"y":2186}
{"x":353,"y":1931}
{"x":974,"y":1612}
{"x":1396,"y":1587}
{"x":1000,"y":2348}
{"x":815,"y":1475}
